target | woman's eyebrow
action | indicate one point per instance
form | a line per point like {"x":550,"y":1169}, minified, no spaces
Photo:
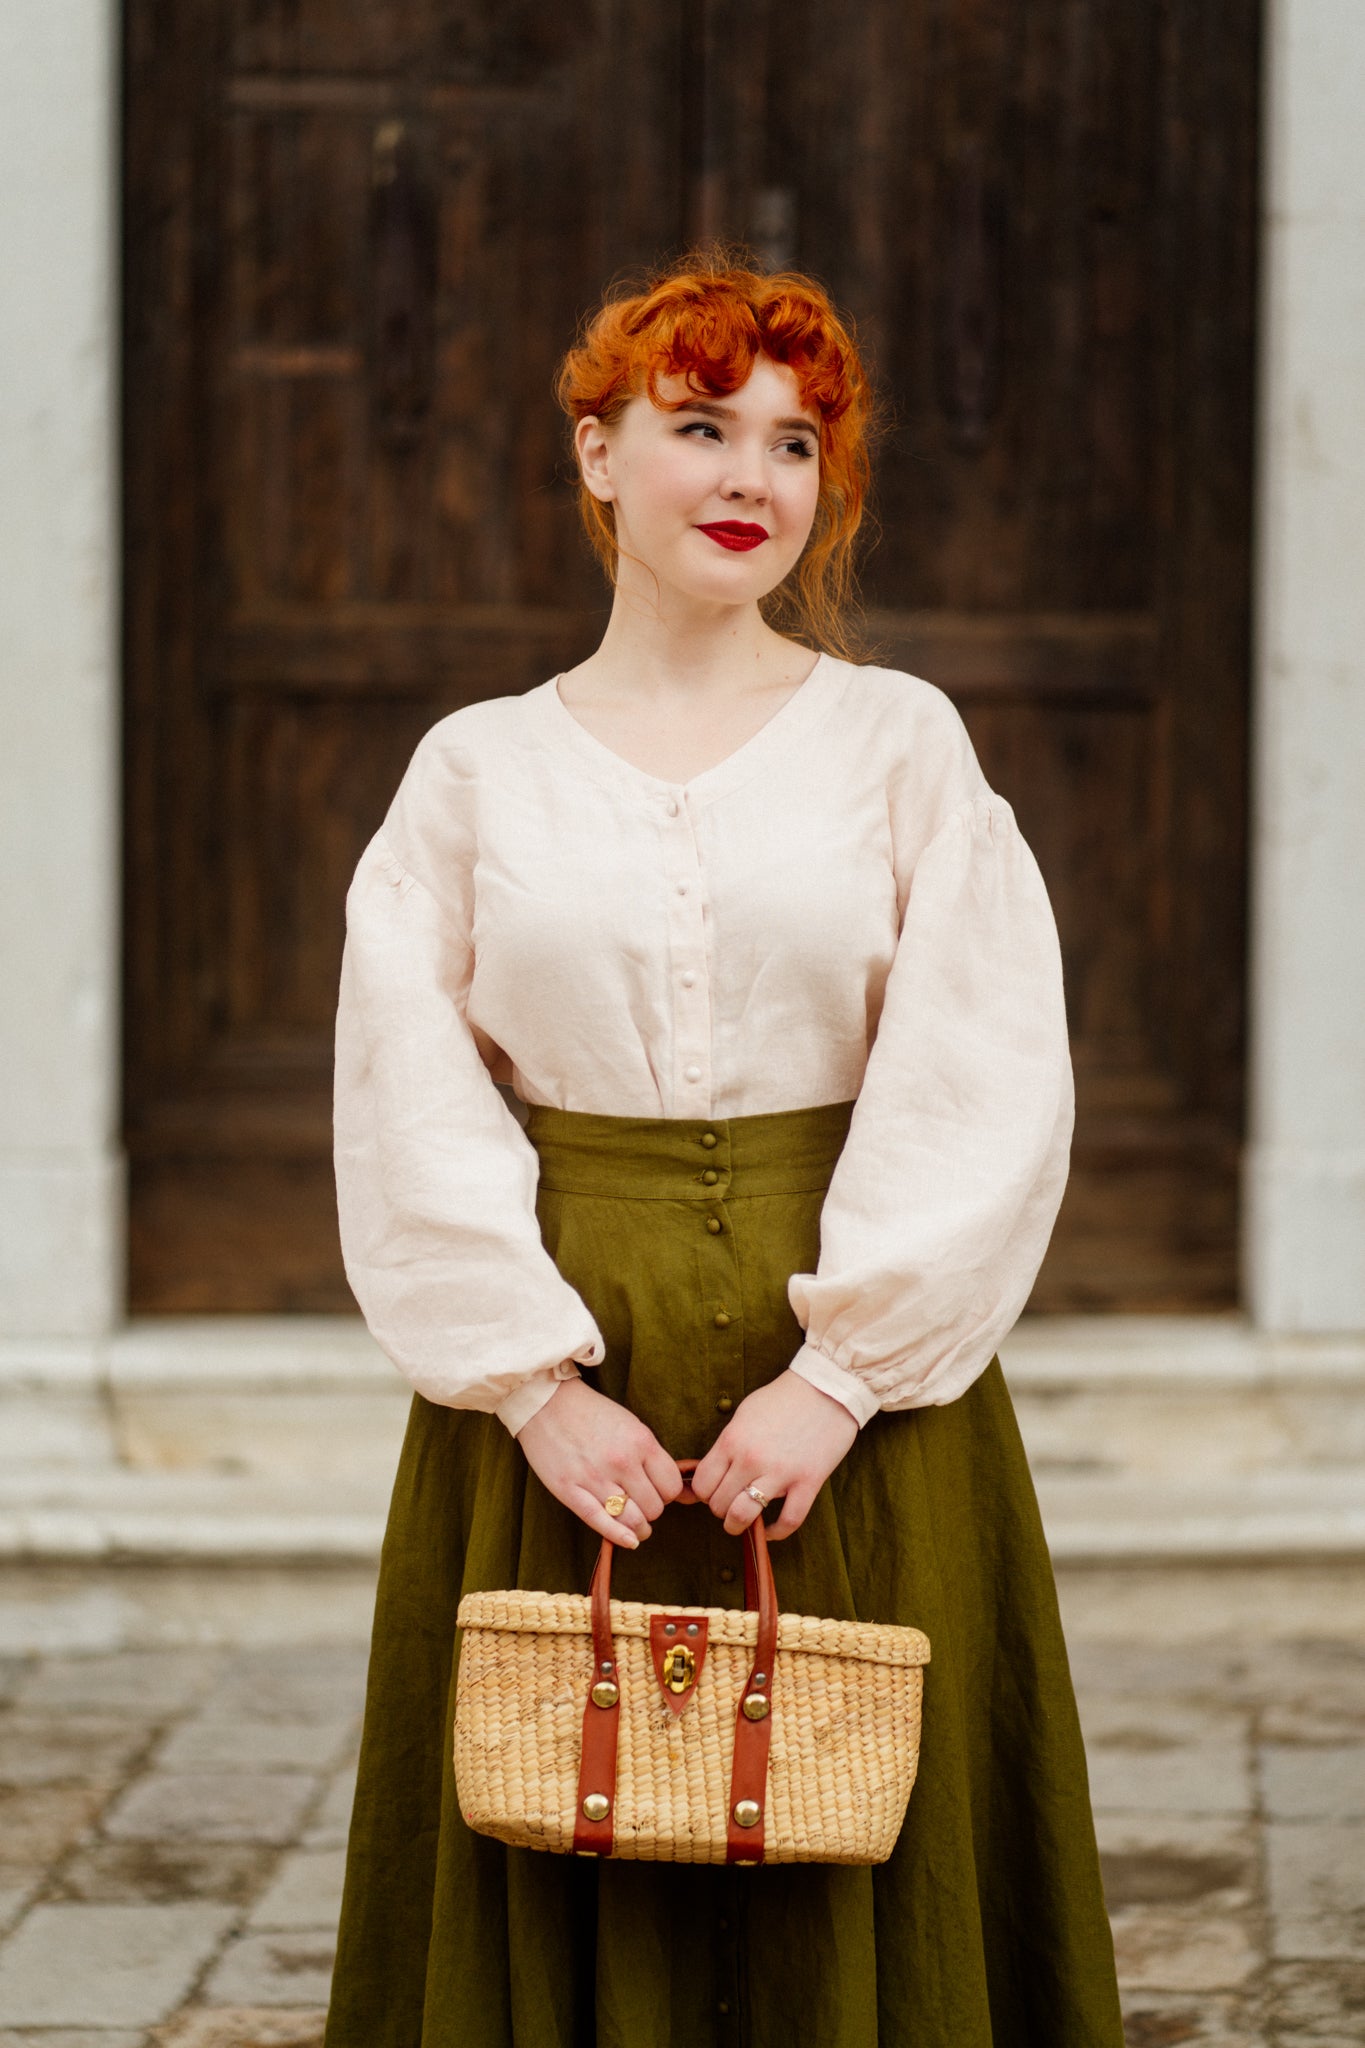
{"x":727,"y":412}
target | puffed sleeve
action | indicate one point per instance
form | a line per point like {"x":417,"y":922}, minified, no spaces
{"x":436,"y":1180}
{"x":942,"y":1203}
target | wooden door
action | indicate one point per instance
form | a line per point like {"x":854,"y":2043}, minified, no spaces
{"x":358,"y":237}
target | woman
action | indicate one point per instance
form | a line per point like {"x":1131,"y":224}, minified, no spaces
{"x":744,"y":925}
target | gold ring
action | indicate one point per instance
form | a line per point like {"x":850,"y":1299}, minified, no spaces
{"x":754,"y":1494}
{"x":614,"y":1504}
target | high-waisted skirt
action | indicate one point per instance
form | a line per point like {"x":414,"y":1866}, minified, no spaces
{"x":985,"y":1929}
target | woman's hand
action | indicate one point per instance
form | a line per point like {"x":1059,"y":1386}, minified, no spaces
{"x":583,"y":1448}
{"x":785,"y":1438}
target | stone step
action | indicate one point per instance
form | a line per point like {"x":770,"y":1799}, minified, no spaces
{"x":303,"y":1399}
{"x":1294,"y":1513}
{"x":196,"y":1517}
{"x":275,"y":1440}
{"x":130,"y":1516}
{"x":1185,"y":1401}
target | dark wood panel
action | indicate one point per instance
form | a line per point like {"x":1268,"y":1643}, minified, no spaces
{"x":487,"y":40}
{"x":390,"y":649}
{"x":1148,"y":1236}
{"x":1011,"y":281}
{"x":205,"y":1227}
{"x":358,"y":237}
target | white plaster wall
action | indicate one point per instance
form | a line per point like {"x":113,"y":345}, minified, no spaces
{"x":1305,"y":1182}
{"x":61,"y":1230}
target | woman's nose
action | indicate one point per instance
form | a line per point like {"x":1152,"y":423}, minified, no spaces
{"x":747,"y":480}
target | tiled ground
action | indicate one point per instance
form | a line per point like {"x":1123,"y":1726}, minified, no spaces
{"x":172,"y":1823}
{"x":1229,"y":1789}
{"x":171,"y":1833}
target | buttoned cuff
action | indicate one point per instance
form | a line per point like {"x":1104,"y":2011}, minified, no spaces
{"x":846,"y":1387}
{"x":529,"y":1396}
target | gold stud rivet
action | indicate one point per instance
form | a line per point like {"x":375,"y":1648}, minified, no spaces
{"x":755,"y":1706}
{"x":604,"y":1693}
{"x":747,"y":1812}
{"x":597,"y":1806}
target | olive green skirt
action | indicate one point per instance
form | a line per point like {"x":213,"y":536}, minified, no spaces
{"x":985,"y":1929}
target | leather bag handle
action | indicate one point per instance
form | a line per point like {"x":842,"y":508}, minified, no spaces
{"x":594,"y":1826}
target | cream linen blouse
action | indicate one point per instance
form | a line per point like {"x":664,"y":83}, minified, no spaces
{"x":841,"y":908}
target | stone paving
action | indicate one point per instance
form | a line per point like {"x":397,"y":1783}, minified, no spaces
{"x":172,"y":1823}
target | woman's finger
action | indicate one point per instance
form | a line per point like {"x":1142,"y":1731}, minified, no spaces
{"x":724,"y":1488}
{"x":636,"y":1518}
{"x":744,"y":1508}
{"x":589,"y":1509}
{"x":663,"y":1471}
{"x":739,"y":1474}
{"x":711,"y":1469}
{"x":639,"y":1488}
{"x":634,"y":1514}
{"x":800,"y":1499}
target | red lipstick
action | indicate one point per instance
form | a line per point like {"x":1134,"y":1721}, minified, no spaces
{"x":737,"y":534}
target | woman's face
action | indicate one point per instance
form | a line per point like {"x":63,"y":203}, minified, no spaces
{"x":716,"y":499}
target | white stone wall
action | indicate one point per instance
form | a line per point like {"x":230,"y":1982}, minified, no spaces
{"x":61,"y":1234}
{"x":1305,"y":1184}
{"x":61,"y":1208}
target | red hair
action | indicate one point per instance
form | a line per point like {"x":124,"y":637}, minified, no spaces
{"x":708,"y":319}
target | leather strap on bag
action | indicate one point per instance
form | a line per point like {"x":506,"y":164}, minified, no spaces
{"x":594,"y":1822}
{"x":746,"y":1822}
{"x":594,"y":1831}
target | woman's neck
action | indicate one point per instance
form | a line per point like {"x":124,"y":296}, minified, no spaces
{"x":651,"y":652}
{"x":675,"y":698}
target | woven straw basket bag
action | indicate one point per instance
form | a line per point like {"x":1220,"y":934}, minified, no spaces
{"x":685,"y":1735}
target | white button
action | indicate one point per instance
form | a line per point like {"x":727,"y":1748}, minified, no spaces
{"x":688,"y":979}
{"x":691,"y":1073}
{"x":672,"y":807}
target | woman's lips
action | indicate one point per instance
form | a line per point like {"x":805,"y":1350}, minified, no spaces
{"x":736,"y":534}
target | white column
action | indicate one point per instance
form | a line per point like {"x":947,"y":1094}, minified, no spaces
{"x":1305,"y":1181}
{"x":61,"y":1207}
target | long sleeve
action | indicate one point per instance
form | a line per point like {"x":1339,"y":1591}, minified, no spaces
{"x":943,"y":1201}
{"x":436,"y":1181}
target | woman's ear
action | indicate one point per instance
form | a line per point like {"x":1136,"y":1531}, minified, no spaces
{"x":593,"y":449}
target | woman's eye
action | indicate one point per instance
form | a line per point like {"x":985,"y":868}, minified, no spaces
{"x":801,"y":448}
{"x":699,"y":427}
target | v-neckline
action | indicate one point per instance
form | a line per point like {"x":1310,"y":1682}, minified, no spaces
{"x":792,"y":714}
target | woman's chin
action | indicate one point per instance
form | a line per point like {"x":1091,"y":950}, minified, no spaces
{"x":736,"y":580}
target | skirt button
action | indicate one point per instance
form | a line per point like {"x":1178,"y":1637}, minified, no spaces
{"x":725,"y":1403}
{"x":714,"y":1225}
{"x":721,"y":1320}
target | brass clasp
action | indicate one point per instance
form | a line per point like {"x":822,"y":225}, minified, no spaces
{"x":680,"y":1668}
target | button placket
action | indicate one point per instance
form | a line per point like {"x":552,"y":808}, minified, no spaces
{"x":691,"y":993}
{"x":720,"y":1281}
